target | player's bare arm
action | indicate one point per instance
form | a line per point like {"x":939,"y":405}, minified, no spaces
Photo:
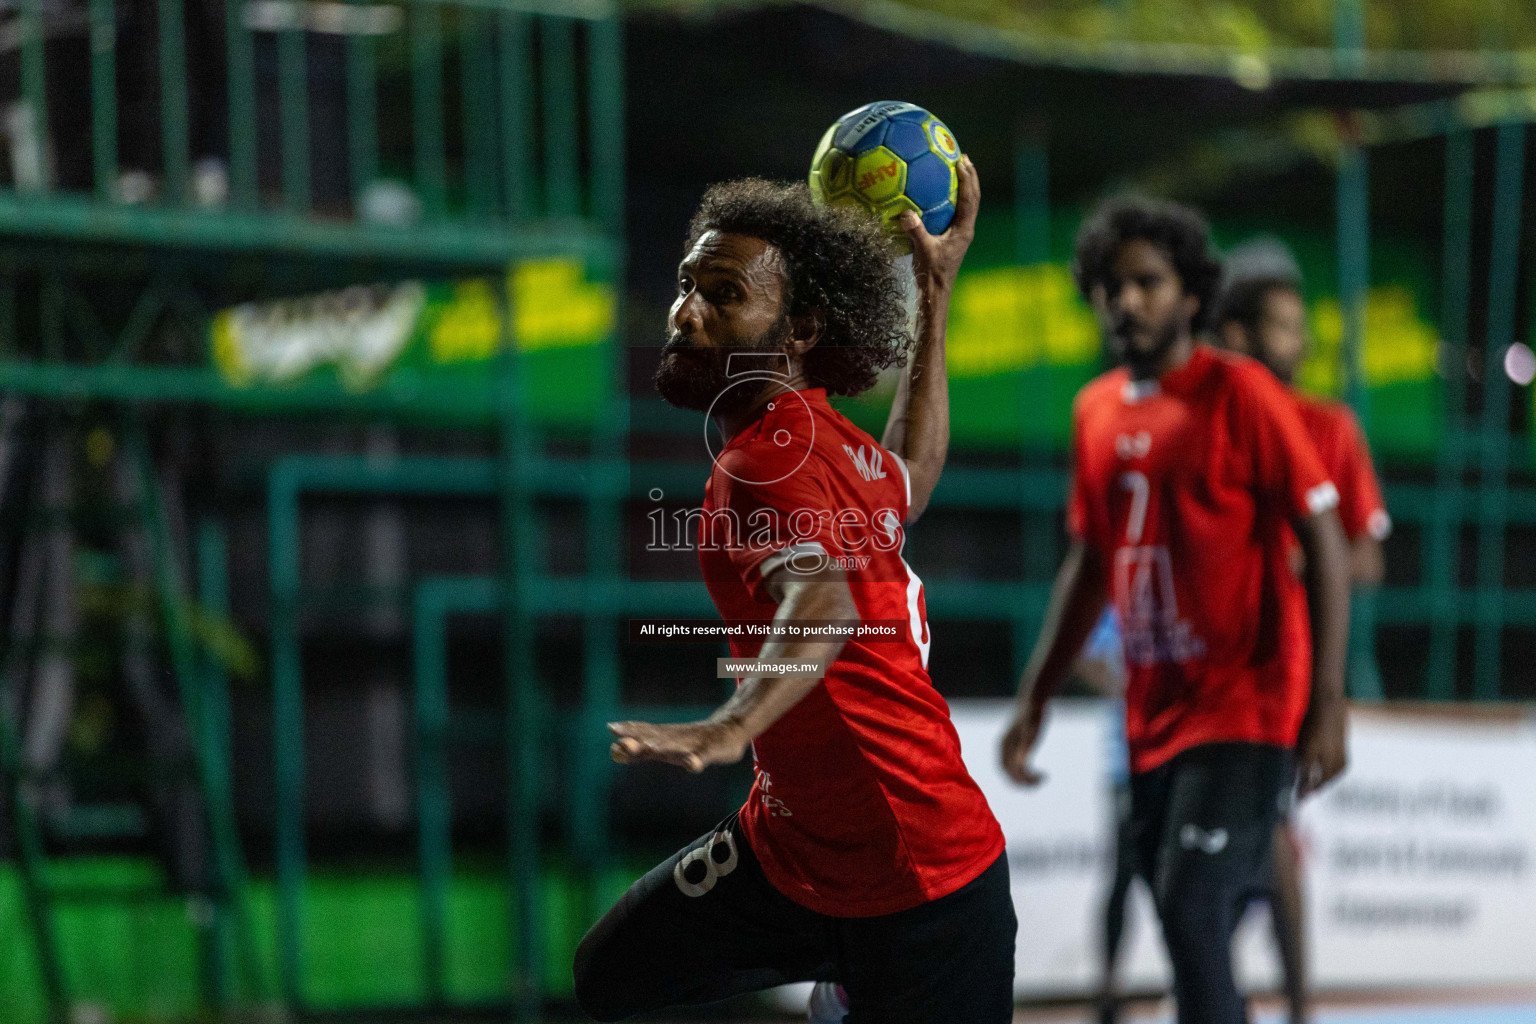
{"x":1320,"y":749}
{"x":918,"y":428}
{"x":1077,"y":601}
{"x":1367,"y":566}
{"x":759,"y":701}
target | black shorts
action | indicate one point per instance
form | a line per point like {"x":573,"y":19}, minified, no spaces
{"x":1203,"y":824}
{"x":705,"y":924}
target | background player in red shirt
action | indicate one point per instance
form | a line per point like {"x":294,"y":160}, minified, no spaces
{"x":865,"y":854}
{"x":1188,"y":466}
{"x":1261,"y":314}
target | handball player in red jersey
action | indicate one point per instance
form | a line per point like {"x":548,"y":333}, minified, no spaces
{"x":1191,"y":467}
{"x":865,"y":855}
{"x":1261,"y":314}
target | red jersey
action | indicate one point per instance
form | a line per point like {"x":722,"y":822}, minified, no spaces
{"x":861,"y":805}
{"x":1185,"y":487}
{"x":1340,"y":444}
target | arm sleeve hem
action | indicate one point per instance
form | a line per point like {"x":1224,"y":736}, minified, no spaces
{"x":776,"y":560}
{"x":1322,"y":497}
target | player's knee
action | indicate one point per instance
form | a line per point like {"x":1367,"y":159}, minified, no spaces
{"x":599,"y":991}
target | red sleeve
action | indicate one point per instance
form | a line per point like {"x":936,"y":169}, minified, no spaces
{"x":1361,"y":508}
{"x":773,"y":513}
{"x":1286,"y":466}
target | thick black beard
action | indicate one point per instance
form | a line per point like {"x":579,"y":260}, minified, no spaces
{"x":1285,"y":374}
{"x":1142,"y":363}
{"x":702,"y":384}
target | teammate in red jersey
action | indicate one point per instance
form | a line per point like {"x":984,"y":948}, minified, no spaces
{"x":1188,"y":464}
{"x":1261,"y":314}
{"x":865,"y":854}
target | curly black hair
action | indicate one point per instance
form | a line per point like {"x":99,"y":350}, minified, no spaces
{"x":1242,"y":300}
{"x":1179,"y":231}
{"x":839,"y":265}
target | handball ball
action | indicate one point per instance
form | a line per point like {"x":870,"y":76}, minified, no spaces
{"x":889,"y":157}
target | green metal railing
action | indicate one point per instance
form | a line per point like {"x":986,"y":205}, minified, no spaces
{"x":435,"y":599}
{"x":1509,"y":178}
{"x":517,"y":154}
{"x":517,"y":158}
{"x":1492,"y":505}
{"x":231,"y":930}
{"x":202,"y":701}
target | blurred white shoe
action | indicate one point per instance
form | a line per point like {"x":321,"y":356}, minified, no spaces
{"x":828,"y":1005}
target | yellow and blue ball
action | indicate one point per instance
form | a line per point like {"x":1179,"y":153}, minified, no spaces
{"x":889,"y":157}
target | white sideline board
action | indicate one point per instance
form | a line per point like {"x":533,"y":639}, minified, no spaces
{"x":1420,"y":862}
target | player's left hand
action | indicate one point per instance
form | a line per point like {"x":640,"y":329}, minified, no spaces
{"x":1321,"y":749}
{"x":936,"y":258}
{"x":1019,"y":745}
{"x":691,"y":745}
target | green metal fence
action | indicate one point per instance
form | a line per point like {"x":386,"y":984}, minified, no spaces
{"x":497,"y":129}
{"x":473,"y":151}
